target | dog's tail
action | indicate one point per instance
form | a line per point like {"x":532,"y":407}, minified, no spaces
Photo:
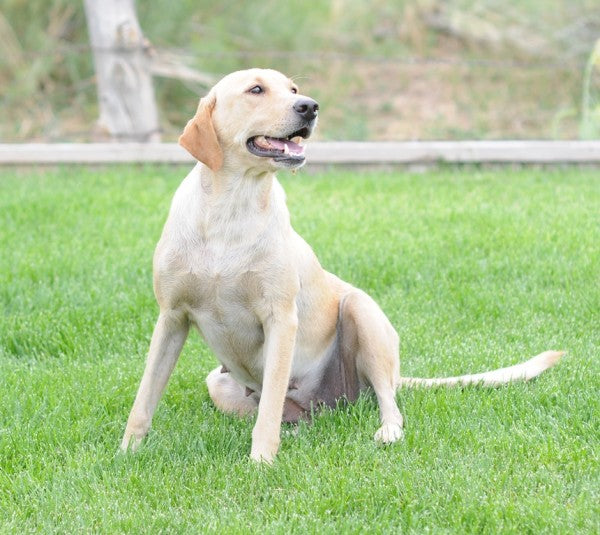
{"x":519,"y":372}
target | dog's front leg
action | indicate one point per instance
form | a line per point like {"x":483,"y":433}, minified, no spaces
{"x":280,"y":335}
{"x":167,"y":340}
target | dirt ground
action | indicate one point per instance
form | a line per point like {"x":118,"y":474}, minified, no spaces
{"x":454,"y":100}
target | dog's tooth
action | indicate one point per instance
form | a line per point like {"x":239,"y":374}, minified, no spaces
{"x":262,"y":142}
{"x":286,"y":149}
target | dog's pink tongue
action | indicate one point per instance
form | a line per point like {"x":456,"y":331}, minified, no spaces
{"x":282,"y":143}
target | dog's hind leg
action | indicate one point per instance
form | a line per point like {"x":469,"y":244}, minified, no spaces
{"x":228,"y":395}
{"x":368,"y":334}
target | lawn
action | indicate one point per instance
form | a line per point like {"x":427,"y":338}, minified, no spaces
{"x":475,"y":268}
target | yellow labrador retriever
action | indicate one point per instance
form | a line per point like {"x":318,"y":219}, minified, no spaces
{"x":289,"y":335}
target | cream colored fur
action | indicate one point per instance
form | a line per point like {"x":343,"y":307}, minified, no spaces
{"x":229,"y":263}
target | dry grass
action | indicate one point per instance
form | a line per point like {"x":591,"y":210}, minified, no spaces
{"x":415,"y":69}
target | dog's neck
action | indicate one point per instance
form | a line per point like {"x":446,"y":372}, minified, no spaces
{"x":241,"y":192}
{"x":237,"y":208}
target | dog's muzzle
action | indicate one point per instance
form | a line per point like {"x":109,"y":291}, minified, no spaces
{"x":287,"y":150}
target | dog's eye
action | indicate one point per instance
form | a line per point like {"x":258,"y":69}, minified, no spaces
{"x":256,"y":90}
{"x":294,"y":90}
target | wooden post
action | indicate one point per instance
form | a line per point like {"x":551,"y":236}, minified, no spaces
{"x":121,"y":58}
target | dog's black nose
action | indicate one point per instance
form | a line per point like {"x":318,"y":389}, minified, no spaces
{"x":306,"y":108}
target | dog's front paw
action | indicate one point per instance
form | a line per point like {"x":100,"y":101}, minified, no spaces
{"x":389,"y":433}
{"x":264,"y":450}
{"x":264,"y":453}
{"x":262,"y":458}
{"x":131,"y":442}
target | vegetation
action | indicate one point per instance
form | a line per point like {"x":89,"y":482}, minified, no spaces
{"x":590,"y":122}
{"x":475,"y":268}
{"x":410,"y":69}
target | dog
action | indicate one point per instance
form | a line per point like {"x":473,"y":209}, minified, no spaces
{"x":290,"y":337}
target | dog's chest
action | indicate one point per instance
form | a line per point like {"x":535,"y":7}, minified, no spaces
{"x":222,"y":264}
{"x":219,"y":285}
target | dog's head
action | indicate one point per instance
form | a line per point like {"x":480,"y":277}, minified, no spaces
{"x":253,"y":118}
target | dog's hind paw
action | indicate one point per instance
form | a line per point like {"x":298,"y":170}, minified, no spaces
{"x":389,"y":433}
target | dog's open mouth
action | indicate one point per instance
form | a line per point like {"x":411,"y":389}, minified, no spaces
{"x":281,"y":149}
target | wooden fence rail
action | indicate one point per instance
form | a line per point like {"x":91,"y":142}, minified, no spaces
{"x":320,"y":153}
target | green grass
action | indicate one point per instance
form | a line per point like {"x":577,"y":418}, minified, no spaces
{"x":475,"y":268}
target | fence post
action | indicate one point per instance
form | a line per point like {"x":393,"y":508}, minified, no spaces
{"x":128,"y":109}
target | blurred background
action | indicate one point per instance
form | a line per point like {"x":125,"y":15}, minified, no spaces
{"x":381,"y":70}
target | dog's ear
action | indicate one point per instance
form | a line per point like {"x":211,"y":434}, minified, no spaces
{"x":199,"y":137}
